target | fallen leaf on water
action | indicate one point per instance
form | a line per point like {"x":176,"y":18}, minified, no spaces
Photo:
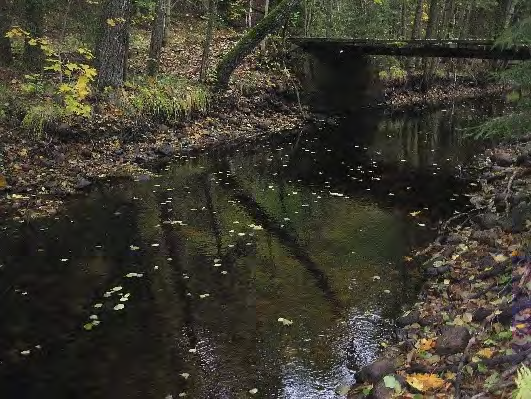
{"x":3,"y":181}
{"x":415,"y":214}
{"x":253,"y":391}
{"x":284,"y":321}
{"x":424,"y":382}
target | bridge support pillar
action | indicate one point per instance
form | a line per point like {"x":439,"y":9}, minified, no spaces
{"x":335,"y":81}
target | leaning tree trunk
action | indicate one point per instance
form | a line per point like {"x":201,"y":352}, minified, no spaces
{"x":6,"y":56}
{"x":249,"y":42}
{"x":157,"y":38}
{"x":205,"y":60}
{"x":113,"y":43}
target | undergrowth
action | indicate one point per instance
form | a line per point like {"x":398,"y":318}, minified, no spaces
{"x":165,"y":98}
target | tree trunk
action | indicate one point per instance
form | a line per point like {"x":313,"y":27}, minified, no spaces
{"x":157,"y":38}
{"x":34,"y":16}
{"x":447,"y":18}
{"x":415,"y":33}
{"x":502,"y":20}
{"x":249,"y":42}
{"x":403,"y":11}
{"x":205,"y":60}
{"x":431,"y":28}
{"x":6,"y":55}
{"x":328,"y":18}
{"x":113,"y":44}
{"x":167,"y":23}
{"x":266,"y":13}
{"x":431,"y":31}
{"x":465,"y":27}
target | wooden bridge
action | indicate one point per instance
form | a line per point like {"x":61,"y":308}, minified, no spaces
{"x":481,"y":49}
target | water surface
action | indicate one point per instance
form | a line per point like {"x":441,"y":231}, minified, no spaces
{"x":176,"y":285}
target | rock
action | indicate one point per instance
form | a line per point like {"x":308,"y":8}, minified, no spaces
{"x":487,"y":237}
{"x":264,"y":125}
{"x":380,"y":391}
{"x":82,"y":183}
{"x":166,"y":150}
{"x":375,"y":371}
{"x":488,"y":220}
{"x":481,"y":314}
{"x":453,"y":339}
{"x":502,"y":158}
{"x":86,"y":153}
{"x":454,"y":238}
{"x":431,"y":320}
{"x":437,"y":271}
{"x":163,"y":128}
{"x":408,"y":319}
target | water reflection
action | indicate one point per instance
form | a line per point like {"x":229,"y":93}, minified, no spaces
{"x":176,"y":285}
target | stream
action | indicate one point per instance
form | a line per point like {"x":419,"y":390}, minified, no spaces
{"x":269,"y":270}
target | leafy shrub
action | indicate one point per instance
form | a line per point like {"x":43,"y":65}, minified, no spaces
{"x":38,"y":116}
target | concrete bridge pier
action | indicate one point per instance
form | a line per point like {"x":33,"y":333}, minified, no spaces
{"x":336,"y":82}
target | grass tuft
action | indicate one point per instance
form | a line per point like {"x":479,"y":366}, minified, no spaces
{"x":165,"y":98}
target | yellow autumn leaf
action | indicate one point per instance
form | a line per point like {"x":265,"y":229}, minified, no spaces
{"x":3,"y":181}
{"x":485,"y":353}
{"x":111,"y":22}
{"x":426,"y":344}
{"x":416,"y":213}
{"x":32,"y":42}
{"x":425,"y":382}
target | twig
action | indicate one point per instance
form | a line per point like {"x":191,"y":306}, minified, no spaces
{"x":509,"y":191}
{"x":459,"y":376}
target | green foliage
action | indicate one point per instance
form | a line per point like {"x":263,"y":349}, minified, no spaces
{"x":61,"y":90}
{"x":38,"y":116}
{"x":523,"y":383}
{"x":166,"y":98}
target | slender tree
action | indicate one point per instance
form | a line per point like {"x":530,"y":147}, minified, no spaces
{"x":249,"y":42}
{"x":167,"y":22}
{"x":6,"y":56}
{"x":113,"y":44}
{"x":205,"y":60}
{"x":157,"y":38}
{"x":415,"y":33}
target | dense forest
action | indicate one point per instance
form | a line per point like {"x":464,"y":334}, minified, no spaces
{"x":65,"y":57}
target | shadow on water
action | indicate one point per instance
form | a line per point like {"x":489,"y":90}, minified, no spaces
{"x":153,"y":289}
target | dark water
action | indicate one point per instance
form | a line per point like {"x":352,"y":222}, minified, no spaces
{"x":138,"y":286}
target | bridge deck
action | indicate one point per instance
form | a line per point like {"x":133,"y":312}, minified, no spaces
{"x":481,"y":49}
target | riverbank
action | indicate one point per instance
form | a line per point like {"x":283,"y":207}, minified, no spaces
{"x":471,"y":329}
{"x":38,"y":172}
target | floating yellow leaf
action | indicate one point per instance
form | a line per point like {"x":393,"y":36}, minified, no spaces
{"x":425,"y":382}
{"x":3,"y":181}
{"x":111,"y":22}
{"x":415,"y":214}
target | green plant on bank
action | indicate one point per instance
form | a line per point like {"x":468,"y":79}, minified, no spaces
{"x":61,"y":90}
{"x":166,"y":98}
{"x":518,"y":76}
{"x":523,"y":383}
